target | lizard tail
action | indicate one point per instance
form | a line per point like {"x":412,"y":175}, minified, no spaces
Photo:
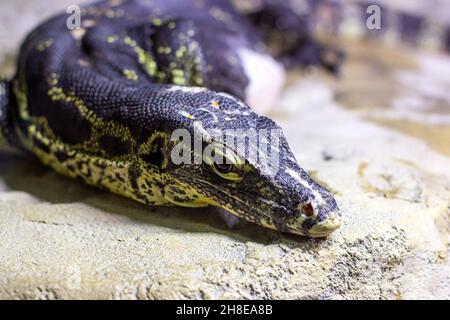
{"x":5,"y":110}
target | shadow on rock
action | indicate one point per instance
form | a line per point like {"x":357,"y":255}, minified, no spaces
{"x":24,"y":173}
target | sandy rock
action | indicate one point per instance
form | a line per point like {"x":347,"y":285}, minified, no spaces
{"x":61,"y":239}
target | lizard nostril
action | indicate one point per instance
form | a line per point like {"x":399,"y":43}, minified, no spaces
{"x":308,"y":210}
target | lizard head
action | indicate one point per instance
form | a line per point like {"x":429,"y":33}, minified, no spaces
{"x":227,"y":156}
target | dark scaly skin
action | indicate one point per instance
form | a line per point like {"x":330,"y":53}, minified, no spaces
{"x":100,"y":104}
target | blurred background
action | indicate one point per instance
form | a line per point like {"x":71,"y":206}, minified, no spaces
{"x":397,"y":74}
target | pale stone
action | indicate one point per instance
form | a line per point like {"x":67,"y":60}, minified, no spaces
{"x":61,"y":239}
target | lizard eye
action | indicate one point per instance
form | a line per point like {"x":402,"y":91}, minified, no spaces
{"x":223,"y":168}
{"x":225,"y":171}
{"x":224,"y":163}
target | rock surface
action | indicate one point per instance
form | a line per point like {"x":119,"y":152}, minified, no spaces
{"x":60,"y":239}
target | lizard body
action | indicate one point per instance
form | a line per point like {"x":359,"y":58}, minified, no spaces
{"x":101,"y":103}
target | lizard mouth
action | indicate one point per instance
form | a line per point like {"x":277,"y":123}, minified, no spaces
{"x":303,"y":225}
{"x":325,"y":227}
{"x":307,"y":224}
